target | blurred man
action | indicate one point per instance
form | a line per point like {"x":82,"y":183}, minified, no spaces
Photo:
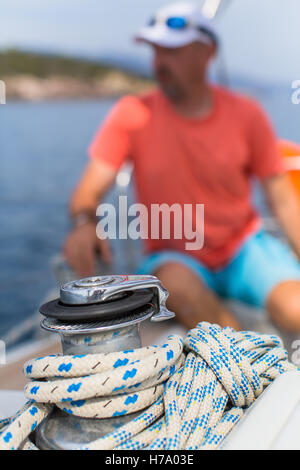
{"x":190,"y":143}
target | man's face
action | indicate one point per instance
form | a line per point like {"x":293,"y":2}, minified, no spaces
{"x":177,"y":69}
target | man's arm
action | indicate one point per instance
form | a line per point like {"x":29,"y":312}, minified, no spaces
{"x":109,"y":149}
{"x":285,"y":203}
{"x":82,"y":244}
{"x":95,"y":181}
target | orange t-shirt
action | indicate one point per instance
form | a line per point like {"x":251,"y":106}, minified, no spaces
{"x":194,"y":161}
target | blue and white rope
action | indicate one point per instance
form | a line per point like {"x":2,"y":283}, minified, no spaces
{"x":192,"y":392}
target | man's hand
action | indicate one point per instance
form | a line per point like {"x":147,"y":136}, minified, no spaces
{"x":81,"y":248}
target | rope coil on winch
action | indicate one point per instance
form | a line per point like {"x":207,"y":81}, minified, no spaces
{"x":192,"y":393}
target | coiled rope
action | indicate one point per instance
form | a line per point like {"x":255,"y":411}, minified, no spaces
{"x":192,"y":393}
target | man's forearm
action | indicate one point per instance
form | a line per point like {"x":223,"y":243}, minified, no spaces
{"x":92,"y":187}
{"x":82,"y":209}
{"x":80,"y":205}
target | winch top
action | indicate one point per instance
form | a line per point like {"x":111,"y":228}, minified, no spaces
{"x":108,"y":297}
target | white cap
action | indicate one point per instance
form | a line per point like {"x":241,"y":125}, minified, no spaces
{"x":199,"y":27}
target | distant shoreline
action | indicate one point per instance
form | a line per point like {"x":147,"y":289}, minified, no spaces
{"x":31,"y":88}
{"x":39,"y":77}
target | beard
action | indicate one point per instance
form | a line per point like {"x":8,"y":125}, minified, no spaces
{"x":168,"y":83}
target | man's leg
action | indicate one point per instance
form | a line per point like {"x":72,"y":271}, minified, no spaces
{"x":266,"y":274}
{"x":190,"y":299}
{"x":283,"y":305}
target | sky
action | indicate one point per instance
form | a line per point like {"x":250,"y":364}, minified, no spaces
{"x":260,"y":38}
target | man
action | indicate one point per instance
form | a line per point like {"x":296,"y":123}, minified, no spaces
{"x":193,"y":143}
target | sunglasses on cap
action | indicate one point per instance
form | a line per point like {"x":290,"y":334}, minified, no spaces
{"x":180,"y":23}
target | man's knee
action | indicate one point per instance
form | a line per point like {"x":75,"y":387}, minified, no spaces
{"x":172,"y":271}
{"x":179,"y":280}
{"x":284,"y":305}
{"x":190,"y":299}
{"x":184,"y":287}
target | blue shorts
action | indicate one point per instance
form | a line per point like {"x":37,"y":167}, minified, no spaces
{"x":261,"y":263}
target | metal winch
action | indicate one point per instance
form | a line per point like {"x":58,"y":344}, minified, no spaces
{"x":99,"y":314}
